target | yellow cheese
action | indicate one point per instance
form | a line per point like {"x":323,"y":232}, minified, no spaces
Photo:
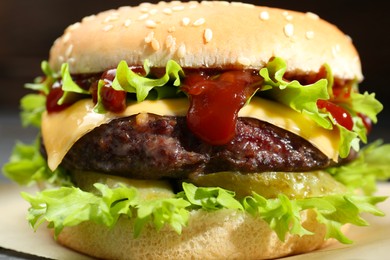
{"x":61,"y":130}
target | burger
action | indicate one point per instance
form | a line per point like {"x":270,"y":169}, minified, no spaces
{"x":212,"y":130}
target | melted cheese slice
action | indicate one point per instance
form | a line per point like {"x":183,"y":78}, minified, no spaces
{"x":61,"y":130}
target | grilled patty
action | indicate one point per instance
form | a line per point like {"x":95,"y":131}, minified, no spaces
{"x":148,"y":146}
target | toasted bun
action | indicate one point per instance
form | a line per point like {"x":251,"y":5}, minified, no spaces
{"x":206,"y":34}
{"x":224,"y":234}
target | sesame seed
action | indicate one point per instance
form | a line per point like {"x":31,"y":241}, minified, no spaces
{"x":244,"y":61}
{"x":181,"y":51}
{"x":170,"y":42}
{"x":264,"y":15}
{"x":249,"y":5}
{"x":199,"y":22}
{"x":111,"y":17}
{"x":71,"y":60}
{"x":167,"y":11}
{"x":149,"y":37}
{"x":155,"y":44}
{"x":193,"y":4}
{"x":178,"y":8}
{"x":335,"y":50}
{"x":207,"y":35}
{"x":289,"y":30}
{"x":89,"y":18}
{"x":144,"y":9}
{"x":185,"y":21}
{"x":125,"y":8}
{"x":66,"y":37}
{"x":61,"y":59}
{"x":107,"y":27}
{"x":242,"y":4}
{"x":150,"y":24}
{"x":127,"y":22}
{"x":309,"y":35}
{"x":171,"y":29}
{"x":288,"y":17}
{"x":69,"y":50}
{"x":145,"y":5}
{"x":143,"y":16}
{"x":312,"y":15}
{"x":74,"y":26}
{"x":153,"y":11}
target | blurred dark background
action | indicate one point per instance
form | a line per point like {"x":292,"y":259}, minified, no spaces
{"x":28,"y":28}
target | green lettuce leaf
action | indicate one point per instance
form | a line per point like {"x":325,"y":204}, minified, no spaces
{"x":372,"y":164}
{"x":129,"y":81}
{"x":348,"y":140}
{"x":33,"y":105}
{"x":43,"y":84}
{"x":99,"y":107}
{"x":68,"y":85}
{"x":161,"y":212}
{"x":283,"y":215}
{"x":32,"y":108}
{"x":209,"y":198}
{"x":303,"y":99}
{"x":366,"y":104}
{"x":26,"y":166}
{"x":69,"y":206}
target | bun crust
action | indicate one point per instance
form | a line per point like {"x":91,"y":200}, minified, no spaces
{"x":205,"y":35}
{"x":225,"y":234}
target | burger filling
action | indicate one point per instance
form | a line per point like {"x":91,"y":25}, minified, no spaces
{"x":266,"y":142}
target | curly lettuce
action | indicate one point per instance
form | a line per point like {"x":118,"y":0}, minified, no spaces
{"x":371,"y":165}
{"x":33,"y":105}
{"x":303,"y":99}
{"x":69,"y":206}
{"x":132,"y":82}
{"x":27,"y":166}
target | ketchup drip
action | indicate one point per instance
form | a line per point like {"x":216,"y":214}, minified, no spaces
{"x":215,"y":102}
{"x":53,"y":97}
{"x":112,"y":100}
{"x":340,"y":115}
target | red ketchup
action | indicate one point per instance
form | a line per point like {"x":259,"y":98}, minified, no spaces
{"x":215,"y":102}
{"x":340,"y":115}
{"x":112,"y":100}
{"x":53,"y":97}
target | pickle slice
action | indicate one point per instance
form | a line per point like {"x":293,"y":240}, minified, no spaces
{"x":147,"y":189}
{"x":270,"y":184}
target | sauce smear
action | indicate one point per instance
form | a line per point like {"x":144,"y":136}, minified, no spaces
{"x":215,"y":101}
{"x":340,"y":115}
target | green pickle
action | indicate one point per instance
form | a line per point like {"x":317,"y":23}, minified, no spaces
{"x":295,"y":185}
{"x":147,"y":189}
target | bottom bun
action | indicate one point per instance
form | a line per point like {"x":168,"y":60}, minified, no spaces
{"x":224,"y":234}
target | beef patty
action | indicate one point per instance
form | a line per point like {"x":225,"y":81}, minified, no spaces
{"x":148,"y":146}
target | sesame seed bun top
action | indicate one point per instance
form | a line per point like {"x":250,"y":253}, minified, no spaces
{"x":205,"y":35}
